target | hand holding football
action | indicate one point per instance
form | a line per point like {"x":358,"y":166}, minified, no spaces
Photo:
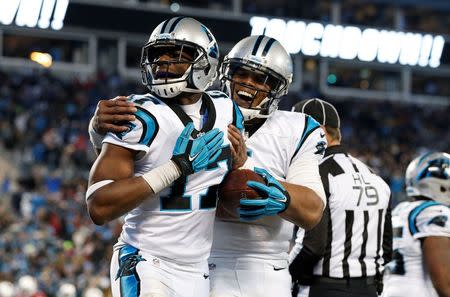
{"x":233,"y":189}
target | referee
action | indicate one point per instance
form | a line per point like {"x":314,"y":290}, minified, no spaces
{"x":345,"y":254}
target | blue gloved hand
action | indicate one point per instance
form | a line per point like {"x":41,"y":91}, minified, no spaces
{"x":274,"y":198}
{"x":195,"y":155}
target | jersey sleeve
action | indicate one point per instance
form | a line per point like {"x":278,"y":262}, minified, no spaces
{"x":304,"y":166}
{"x":430,"y":219}
{"x":140,"y":134}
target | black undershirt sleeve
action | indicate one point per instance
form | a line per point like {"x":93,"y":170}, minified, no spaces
{"x":313,"y":249}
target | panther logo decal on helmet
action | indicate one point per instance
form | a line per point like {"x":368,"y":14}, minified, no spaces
{"x":429,"y":175}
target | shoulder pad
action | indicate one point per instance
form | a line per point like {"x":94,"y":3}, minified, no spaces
{"x":426,"y":214}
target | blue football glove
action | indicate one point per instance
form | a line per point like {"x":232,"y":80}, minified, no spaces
{"x":195,"y":155}
{"x":274,"y":198}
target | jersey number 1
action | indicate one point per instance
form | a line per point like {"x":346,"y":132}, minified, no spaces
{"x":178,"y":201}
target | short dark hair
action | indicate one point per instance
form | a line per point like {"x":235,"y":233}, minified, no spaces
{"x":334,"y":133}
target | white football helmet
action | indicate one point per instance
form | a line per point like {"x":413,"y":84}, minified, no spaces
{"x":191,"y":43}
{"x":261,"y":55}
{"x":429,"y":175}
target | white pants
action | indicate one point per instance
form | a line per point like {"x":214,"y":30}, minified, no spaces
{"x":246,"y":277}
{"x":400,"y":286}
{"x":149,"y":276}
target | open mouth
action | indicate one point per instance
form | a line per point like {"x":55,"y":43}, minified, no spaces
{"x":246,"y":96}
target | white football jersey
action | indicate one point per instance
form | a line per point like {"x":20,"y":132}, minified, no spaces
{"x":177,"y":223}
{"x":412,"y":221}
{"x":289,"y":145}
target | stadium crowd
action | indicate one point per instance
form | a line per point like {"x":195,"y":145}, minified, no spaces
{"x":45,"y":230}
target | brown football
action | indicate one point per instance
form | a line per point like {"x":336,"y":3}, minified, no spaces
{"x":233,"y":189}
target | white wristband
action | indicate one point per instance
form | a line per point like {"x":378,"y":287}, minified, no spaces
{"x":162,"y":176}
{"x":249,"y":164}
{"x":94,"y":187}
{"x":95,"y":137}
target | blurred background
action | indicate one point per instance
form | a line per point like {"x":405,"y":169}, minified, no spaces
{"x":384,"y":64}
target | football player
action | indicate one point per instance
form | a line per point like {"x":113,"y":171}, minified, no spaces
{"x":250,"y":255}
{"x":285,"y":149}
{"x":162,"y":171}
{"x":421,"y":229}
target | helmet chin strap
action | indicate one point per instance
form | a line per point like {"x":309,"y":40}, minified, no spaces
{"x":189,"y":90}
{"x":251,"y":113}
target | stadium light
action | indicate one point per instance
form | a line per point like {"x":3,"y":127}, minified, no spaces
{"x":350,"y":42}
{"x":43,"y":59}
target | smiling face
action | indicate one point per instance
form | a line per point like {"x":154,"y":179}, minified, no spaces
{"x":249,"y":87}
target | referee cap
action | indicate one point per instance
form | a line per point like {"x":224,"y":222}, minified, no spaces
{"x":323,"y":112}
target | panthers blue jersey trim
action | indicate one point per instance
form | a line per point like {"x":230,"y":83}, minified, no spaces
{"x":415,"y":212}
{"x":310,"y":126}
{"x":238,"y":118}
{"x":149,"y":125}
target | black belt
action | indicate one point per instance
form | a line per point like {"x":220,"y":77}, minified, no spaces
{"x":370,"y":280}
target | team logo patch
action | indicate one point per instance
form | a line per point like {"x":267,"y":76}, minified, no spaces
{"x":130,"y":126}
{"x":439,"y":220}
{"x":320,"y":148}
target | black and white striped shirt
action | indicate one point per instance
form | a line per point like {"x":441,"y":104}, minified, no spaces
{"x":354,"y":238}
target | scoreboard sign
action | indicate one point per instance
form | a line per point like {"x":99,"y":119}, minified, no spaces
{"x":308,"y":38}
{"x":349,"y":42}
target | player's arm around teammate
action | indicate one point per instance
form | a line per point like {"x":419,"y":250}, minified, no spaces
{"x":110,"y":116}
{"x":304,"y":207}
